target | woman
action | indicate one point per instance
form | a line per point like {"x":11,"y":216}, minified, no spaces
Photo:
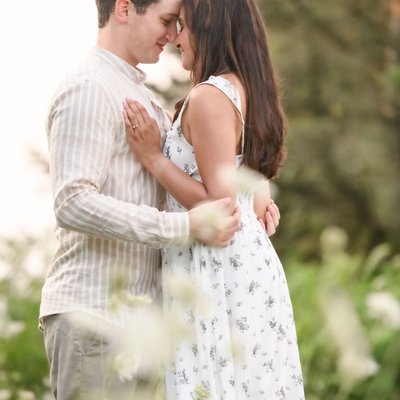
{"x":232,"y":116}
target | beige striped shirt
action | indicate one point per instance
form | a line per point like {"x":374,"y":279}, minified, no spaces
{"x":108,"y":226}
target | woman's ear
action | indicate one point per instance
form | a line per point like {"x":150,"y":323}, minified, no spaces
{"x":122,"y":10}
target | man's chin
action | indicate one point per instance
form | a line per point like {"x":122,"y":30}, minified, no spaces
{"x":151,"y":60}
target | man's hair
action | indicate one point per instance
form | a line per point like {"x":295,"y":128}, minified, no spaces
{"x":106,"y":7}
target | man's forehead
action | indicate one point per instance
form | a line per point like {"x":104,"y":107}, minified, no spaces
{"x":170,"y":7}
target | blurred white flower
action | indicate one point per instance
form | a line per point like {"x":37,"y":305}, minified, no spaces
{"x":244,"y":179}
{"x":201,"y":392}
{"x":384,"y":307}
{"x":123,"y":300}
{"x":144,"y":343}
{"x":177,"y":325}
{"x":126,"y":367}
{"x":5,"y":268}
{"x":8,"y":328}
{"x":12,"y":328}
{"x":354,"y":368}
{"x":184,"y":290}
{"x":376,"y":256}
{"x":207,"y":218}
{"x":5,"y":394}
{"x":25,"y":395}
{"x":355,"y":361}
{"x":333,"y":240}
{"x":342,"y":321}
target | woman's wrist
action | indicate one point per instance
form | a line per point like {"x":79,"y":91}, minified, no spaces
{"x":155,"y":163}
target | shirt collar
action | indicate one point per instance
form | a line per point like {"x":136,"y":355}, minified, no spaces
{"x":134,"y":73}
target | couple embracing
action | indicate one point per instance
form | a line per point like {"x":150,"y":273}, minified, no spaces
{"x":114,"y":152}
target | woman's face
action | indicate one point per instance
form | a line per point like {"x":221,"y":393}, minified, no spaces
{"x":183,"y":43}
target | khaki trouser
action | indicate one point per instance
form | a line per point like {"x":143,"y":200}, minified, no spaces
{"x":81,"y":361}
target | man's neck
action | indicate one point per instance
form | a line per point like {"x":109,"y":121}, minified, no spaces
{"x":107,"y":41}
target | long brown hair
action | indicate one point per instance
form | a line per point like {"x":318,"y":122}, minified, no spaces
{"x":229,"y":36}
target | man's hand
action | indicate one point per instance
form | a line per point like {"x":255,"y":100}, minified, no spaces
{"x":272,"y":217}
{"x":211,"y":224}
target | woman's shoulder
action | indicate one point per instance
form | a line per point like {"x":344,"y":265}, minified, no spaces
{"x":207,"y":94}
{"x":216,"y":94}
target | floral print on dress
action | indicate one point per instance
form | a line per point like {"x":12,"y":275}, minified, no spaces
{"x":246,"y":346}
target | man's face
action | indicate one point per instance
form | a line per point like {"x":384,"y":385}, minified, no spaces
{"x":150,"y":32}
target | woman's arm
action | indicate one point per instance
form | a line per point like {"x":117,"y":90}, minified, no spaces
{"x":144,"y":142}
{"x":215,"y":128}
{"x":211,"y":119}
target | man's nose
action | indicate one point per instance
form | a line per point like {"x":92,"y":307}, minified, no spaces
{"x":172,"y":33}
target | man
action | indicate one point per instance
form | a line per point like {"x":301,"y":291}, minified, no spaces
{"x":108,"y":225}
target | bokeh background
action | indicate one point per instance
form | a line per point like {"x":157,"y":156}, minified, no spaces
{"x":339,"y":191}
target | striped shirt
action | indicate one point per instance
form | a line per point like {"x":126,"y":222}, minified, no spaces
{"x":108,"y":228}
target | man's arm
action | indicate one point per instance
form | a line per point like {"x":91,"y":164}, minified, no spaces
{"x":81,"y":139}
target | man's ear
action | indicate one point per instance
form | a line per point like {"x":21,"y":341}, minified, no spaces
{"x":122,"y":10}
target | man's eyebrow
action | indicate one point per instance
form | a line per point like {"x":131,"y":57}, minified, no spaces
{"x":173,"y":15}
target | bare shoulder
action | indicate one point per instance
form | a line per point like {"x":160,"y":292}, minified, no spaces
{"x":208,"y":99}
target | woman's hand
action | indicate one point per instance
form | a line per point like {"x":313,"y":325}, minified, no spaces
{"x":142,"y":133}
{"x":272,"y":217}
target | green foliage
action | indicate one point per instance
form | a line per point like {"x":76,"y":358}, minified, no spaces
{"x":339,"y":64}
{"x":23,"y":363}
{"x":356,"y":276}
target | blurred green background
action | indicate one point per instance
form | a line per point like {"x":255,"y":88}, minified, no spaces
{"x":339,"y":193}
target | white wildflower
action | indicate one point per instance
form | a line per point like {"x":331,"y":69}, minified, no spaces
{"x":243,"y":179}
{"x":12,"y":328}
{"x":184,"y":290}
{"x":207,"y":218}
{"x":355,"y":367}
{"x":144,"y":341}
{"x":177,"y":325}
{"x":8,"y":328}
{"x":5,"y":268}
{"x":377,"y":256}
{"x":125,"y":366}
{"x":90,"y":323}
{"x":384,"y":307}
{"x":186,"y":299}
{"x":5,"y":394}
{"x":333,"y":240}
{"x":25,"y":395}
{"x":342,"y":320}
{"x":354,"y":355}
{"x":122,"y":300}
{"x":202,"y":392}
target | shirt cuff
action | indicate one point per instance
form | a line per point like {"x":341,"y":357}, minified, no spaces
{"x":179,"y":225}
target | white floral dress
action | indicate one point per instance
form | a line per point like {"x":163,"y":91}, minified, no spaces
{"x":244,"y":346}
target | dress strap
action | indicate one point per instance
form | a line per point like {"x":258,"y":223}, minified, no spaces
{"x":229,"y":90}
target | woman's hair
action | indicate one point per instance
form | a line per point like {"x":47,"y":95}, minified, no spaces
{"x":229,"y":36}
{"x":106,"y":7}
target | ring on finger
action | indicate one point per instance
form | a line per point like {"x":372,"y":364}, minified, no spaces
{"x":135,"y":126}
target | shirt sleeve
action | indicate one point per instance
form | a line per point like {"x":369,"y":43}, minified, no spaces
{"x":81,"y":128}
